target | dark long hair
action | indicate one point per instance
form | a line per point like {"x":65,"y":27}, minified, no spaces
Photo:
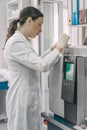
{"x":26,"y":12}
{"x":11,"y":29}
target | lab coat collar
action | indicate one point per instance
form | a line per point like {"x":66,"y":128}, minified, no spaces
{"x":27,"y":41}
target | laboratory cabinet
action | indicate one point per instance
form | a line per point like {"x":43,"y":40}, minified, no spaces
{"x":14,"y":7}
{"x":68,"y":91}
{"x":3,"y":92}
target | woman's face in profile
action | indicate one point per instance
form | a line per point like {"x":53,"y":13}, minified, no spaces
{"x":35,"y":27}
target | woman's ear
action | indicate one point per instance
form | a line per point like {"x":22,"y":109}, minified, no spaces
{"x":29,"y":19}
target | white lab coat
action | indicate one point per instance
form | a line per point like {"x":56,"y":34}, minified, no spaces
{"x":23,"y":98}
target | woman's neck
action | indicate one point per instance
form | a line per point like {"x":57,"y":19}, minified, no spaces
{"x":23,"y":32}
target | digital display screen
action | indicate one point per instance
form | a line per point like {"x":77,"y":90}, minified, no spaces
{"x":69,"y":70}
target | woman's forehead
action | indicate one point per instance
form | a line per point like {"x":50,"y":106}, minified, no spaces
{"x":39,"y":20}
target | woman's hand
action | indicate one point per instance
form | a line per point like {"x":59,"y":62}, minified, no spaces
{"x":61,"y":44}
{"x":57,"y":47}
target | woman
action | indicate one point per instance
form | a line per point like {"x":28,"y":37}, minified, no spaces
{"x":23,"y":97}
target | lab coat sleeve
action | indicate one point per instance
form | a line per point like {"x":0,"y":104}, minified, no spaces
{"x":48,"y":52}
{"x":26,"y":56}
{"x":45,"y":53}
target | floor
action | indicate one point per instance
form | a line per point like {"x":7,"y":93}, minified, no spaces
{"x":3,"y":125}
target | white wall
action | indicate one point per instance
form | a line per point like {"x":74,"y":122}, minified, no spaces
{"x":3,"y":28}
{"x":3,"y":20}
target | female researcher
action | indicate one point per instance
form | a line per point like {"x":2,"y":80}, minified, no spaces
{"x":23,"y":97}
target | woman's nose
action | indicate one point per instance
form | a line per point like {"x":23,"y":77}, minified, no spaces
{"x":40,"y":30}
